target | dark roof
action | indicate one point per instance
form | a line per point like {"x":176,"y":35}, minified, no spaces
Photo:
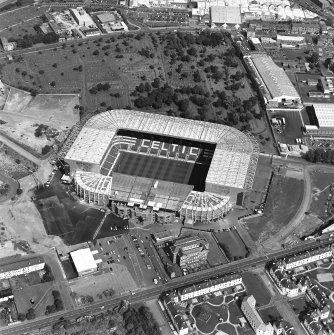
{"x":18,"y":262}
{"x":6,"y":293}
{"x":306,"y":254}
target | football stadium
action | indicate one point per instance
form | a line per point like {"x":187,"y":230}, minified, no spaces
{"x":156,"y":168}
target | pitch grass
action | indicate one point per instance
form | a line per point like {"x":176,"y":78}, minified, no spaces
{"x":284,"y":198}
{"x":153,"y":167}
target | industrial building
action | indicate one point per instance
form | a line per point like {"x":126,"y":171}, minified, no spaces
{"x":321,"y":118}
{"x":105,"y":18}
{"x":254,"y":318}
{"x":83,"y":261}
{"x":274,"y":82}
{"x":95,"y":158}
{"x":225,"y":15}
{"x":210,"y":286}
{"x":190,"y":251}
{"x":19,"y":265}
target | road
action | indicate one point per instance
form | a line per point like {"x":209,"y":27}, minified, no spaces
{"x":20,"y":150}
{"x":154,"y":292}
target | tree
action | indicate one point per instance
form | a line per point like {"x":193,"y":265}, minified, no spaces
{"x":21,"y":317}
{"x":31,"y":314}
{"x":46,"y":149}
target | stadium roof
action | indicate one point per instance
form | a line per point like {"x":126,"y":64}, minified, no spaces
{"x":226,"y":14}
{"x":83,"y":260}
{"x":274,"y":77}
{"x":324,"y":114}
{"x":233,"y":163}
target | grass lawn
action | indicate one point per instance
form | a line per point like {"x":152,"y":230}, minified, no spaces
{"x":298,"y":305}
{"x":320,"y":192}
{"x":208,"y":316}
{"x":40,"y":293}
{"x":235,"y":312}
{"x":285,"y":196}
{"x":270,"y":314}
{"x":257,"y":288}
{"x":227,"y":328}
{"x":232,"y":244}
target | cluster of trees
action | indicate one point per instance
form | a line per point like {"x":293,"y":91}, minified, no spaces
{"x":106,"y":293}
{"x":40,"y":130}
{"x":140,"y":322}
{"x":320,"y":155}
{"x":46,"y":149}
{"x":57,"y":304}
{"x":48,"y":276}
{"x":29,"y":40}
{"x":99,"y":87}
{"x":30,"y":315}
{"x":86,"y":299}
{"x":180,"y":46}
{"x":4,"y":188}
{"x":146,"y":52}
{"x":79,"y":68}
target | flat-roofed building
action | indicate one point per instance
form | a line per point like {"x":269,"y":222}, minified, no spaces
{"x":106,"y":18}
{"x":321,"y":118}
{"x":225,"y":15}
{"x":163,"y":237}
{"x":254,"y":318}
{"x":84,"y":261}
{"x":18,"y":265}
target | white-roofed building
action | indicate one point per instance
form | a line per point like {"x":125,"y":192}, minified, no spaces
{"x":225,"y":15}
{"x":322,"y":119}
{"x":84,"y":261}
{"x":273,"y":80}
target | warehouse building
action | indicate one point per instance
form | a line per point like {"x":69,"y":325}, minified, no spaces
{"x":273,"y":81}
{"x":321,"y":118}
{"x":18,"y":265}
{"x":225,"y":15}
{"x":84,"y":261}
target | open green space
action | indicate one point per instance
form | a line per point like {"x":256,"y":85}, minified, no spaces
{"x":284,"y":198}
{"x":40,"y":295}
{"x":227,"y":329}
{"x":270,"y":314}
{"x":320,"y":192}
{"x":255,"y":286}
{"x":232,"y":244}
{"x":195,"y":76}
{"x":207,"y":316}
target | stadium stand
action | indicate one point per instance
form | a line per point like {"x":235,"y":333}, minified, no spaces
{"x":156,"y":168}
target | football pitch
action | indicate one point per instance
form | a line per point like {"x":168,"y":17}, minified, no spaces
{"x":154,"y":167}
